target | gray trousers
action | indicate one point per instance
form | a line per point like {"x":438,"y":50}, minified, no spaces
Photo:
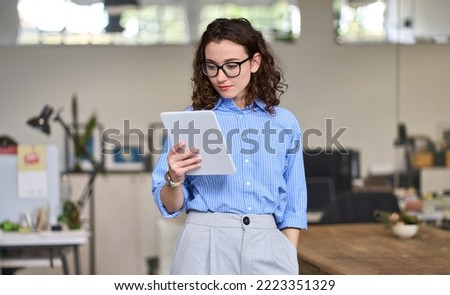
{"x":230,"y":244}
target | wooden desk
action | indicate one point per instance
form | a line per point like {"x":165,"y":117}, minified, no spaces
{"x":365,"y":249}
{"x":44,"y":240}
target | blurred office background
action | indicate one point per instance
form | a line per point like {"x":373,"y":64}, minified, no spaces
{"x":367,"y":87}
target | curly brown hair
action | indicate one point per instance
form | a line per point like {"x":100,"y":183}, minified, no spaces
{"x":266,"y":84}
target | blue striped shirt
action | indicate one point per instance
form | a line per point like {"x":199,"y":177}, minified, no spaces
{"x":270,"y":176}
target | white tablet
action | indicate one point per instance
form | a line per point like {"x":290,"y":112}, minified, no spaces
{"x":200,"y":129}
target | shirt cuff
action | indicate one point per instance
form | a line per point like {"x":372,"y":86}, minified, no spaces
{"x":162,"y":209}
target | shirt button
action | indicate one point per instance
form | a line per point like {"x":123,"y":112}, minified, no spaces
{"x":246,"y":220}
{"x":248,"y":183}
{"x":246,"y":160}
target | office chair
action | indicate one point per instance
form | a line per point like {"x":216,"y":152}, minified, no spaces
{"x":351,"y":207}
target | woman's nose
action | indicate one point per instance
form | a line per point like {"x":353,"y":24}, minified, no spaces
{"x":221,"y":75}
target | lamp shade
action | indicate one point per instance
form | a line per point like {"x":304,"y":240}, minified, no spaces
{"x":41,"y":122}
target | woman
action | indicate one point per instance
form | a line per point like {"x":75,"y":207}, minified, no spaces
{"x":248,"y":222}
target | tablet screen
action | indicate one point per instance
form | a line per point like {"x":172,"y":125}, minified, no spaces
{"x":200,"y":129}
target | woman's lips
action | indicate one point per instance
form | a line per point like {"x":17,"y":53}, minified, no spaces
{"x":224,"y":88}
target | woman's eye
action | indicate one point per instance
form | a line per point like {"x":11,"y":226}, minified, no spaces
{"x":231,"y":66}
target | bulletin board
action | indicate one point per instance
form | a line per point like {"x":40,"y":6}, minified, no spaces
{"x":13,"y":207}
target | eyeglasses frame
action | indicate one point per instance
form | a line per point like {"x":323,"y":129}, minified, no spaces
{"x":239,"y":63}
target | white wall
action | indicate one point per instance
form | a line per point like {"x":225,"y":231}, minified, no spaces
{"x":355,"y":85}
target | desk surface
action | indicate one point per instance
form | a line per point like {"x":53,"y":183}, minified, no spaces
{"x":372,"y":249}
{"x":44,"y":238}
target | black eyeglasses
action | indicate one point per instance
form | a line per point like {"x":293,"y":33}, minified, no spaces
{"x":230,"y":69}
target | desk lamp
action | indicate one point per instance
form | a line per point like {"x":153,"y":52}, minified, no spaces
{"x":41,"y":123}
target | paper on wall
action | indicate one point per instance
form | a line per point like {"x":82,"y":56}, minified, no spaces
{"x":32,"y":177}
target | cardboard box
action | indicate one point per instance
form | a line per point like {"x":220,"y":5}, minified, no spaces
{"x":447,"y":158}
{"x":423,"y":159}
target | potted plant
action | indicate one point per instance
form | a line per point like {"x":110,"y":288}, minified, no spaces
{"x":70,"y":215}
{"x":72,"y":209}
{"x":402,"y":224}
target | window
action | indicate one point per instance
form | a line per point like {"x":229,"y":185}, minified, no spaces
{"x":359,"y":21}
{"x":277,"y":21}
{"x":146,"y":22}
{"x":66,"y":22}
{"x":393,"y":21}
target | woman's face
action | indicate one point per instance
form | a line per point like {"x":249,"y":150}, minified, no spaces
{"x":225,"y":51}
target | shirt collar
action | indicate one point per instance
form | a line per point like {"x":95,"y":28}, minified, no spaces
{"x":258,"y":103}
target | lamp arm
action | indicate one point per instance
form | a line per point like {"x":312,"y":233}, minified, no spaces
{"x":88,"y":191}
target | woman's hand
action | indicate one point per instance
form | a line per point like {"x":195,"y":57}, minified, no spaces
{"x":181,"y":160}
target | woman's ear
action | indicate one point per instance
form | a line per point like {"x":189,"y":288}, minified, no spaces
{"x":255,"y":62}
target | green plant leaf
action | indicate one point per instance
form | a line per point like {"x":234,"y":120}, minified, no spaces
{"x":81,"y":136}
{"x":75,"y":114}
{"x":87,"y":134}
{"x":89,"y":129}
